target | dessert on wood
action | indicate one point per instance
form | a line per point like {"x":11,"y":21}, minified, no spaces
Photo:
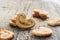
{"x":6,"y":34}
{"x":22,"y":21}
{"x":40,"y":14}
{"x":54,"y":22}
{"x":42,"y":31}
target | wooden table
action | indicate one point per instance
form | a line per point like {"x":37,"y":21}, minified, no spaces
{"x":9,"y":8}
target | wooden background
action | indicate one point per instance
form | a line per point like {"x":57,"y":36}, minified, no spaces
{"x":9,"y":8}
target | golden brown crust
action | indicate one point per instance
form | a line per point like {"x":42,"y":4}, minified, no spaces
{"x":42,"y":31}
{"x":13,"y":21}
{"x":54,"y":22}
{"x":22,"y":21}
{"x":36,"y":13}
{"x":6,"y":34}
{"x":40,"y":14}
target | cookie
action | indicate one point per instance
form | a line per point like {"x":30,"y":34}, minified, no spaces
{"x":54,"y":22}
{"x":6,"y":34}
{"x":40,"y":14}
{"x":42,"y":31}
{"x":22,"y":21}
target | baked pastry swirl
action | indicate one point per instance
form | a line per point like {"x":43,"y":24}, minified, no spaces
{"x":22,"y":21}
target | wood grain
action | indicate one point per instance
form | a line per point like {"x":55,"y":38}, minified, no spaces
{"x":9,"y":8}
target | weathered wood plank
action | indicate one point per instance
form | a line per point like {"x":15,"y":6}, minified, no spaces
{"x":9,"y":8}
{"x":48,"y":6}
{"x":57,"y":8}
{"x":24,"y":33}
